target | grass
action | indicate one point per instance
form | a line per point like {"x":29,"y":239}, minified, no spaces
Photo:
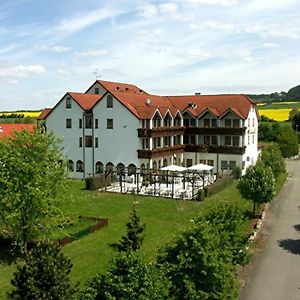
{"x":91,"y":254}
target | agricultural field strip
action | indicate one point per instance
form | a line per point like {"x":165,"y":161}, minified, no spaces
{"x":33,"y":114}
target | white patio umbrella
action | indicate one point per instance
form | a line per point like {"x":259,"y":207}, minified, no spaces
{"x":173,"y":168}
{"x":200,"y":168}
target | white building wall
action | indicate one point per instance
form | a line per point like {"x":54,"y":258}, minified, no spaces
{"x":56,"y":121}
{"x":91,"y":90}
{"x":120,"y":144}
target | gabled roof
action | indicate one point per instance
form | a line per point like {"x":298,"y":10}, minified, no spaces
{"x":120,"y":87}
{"x":45,"y":112}
{"x":6,"y":130}
{"x":85,"y":101}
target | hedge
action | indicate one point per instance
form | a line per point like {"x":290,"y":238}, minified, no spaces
{"x":218,"y":185}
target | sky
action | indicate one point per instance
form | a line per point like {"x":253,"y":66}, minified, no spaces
{"x":175,"y":47}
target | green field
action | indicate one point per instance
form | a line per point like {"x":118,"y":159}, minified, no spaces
{"x":163,"y":218}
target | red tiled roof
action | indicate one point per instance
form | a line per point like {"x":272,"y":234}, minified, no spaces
{"x":8,"y":129}
{"x":44,"y":113}
{"x":85,"y":101}
{"x":120,"y":87}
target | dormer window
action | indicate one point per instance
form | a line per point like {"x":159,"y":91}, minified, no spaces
{"x":68,"y":102}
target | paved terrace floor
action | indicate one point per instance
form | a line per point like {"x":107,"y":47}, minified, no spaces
{"x":275,"y":273}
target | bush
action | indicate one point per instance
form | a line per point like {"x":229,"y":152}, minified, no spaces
{"x":288,"y":142}
{"x":97,"y":181}
{"x":236,"y":173}
{"x":201,"y":195}
{"x":218,"y":185}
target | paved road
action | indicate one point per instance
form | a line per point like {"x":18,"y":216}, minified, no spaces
{"x":275,"y":274}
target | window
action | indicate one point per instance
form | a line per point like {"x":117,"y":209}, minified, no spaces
{"x":99,"y":167}
{"x":193,"y":139}
{"x":236,"y":122}
{"x":68,"y":102}
{"x":154,"y":166}
{"x":249,"y":122}
{"x":68,"y":123}
{"x":80,"y":123}
{"x":235,"y":141}
{"x":89,"y":121}
{"x":206,"y":122}
{"x":227,"y":140}
{"x":186,"y":122}
{"x":193,"y":122}
{"x":202,"y":161}
{"x":79,"y":166}
{"x":224,"y":164}
{"x":214,"y":140}
{"x":109,"y":103}
{"x":206,"y":139}
{"x":158,"y":142}
{"x":88,"y":141}
{"x":110,"y":124}
{"x":227,"y":122}
{"x":232,"y":164}
{"x":213,"y":122}
{"x":210,"y":162}
{"x":96,"y":142}
{"x":248,"y":139}
{"x":189,"y":162}
{"x":70,"y":166}
{"x":96,"y":90}
{"x":80,"y":142}
{"x":185,"y":139}
{"x":96,"y":123}
{"x":253,"y":139}
{"x":177,"y":122}
{"x":253,"y":122}
{"x":146,"y":123}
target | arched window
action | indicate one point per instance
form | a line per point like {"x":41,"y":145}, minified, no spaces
{"x":165,"y":163}
{"x":70,"y":165}
{"x":154,"y":166}
{"x":109,"y":167}
{"x":131,"y":169}
{"x":79,"y":166}
{"x":120,"y":169}
{"x":99,"y":167}
{"x":143,"y":168}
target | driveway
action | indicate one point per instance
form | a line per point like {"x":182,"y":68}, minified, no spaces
{"x":275,"y":273}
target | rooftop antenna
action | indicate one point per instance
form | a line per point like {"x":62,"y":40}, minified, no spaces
{"x":96,"y":73}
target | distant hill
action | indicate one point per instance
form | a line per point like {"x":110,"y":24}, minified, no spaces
{"x":292,"y":95}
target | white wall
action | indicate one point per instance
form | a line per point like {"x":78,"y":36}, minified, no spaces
{"x":91,"y":90}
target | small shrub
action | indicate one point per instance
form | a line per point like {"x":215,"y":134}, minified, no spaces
{"x":201,"y":195}
{"x":236,"y":173}
{"x":97,"y":182}
{"x":218,"y":185}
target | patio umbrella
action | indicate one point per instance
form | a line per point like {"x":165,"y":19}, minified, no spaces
{"x":200,"y":168}
{"x":174,"y":168}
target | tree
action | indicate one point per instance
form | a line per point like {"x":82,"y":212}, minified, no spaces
{"x":293,"y":113}
{"x":230,"y":222}
{"x":271,"y":156}
{"x":296,"y":121}
{"x":133,"y":240}
{"x":127,"y":278}
{"x":44,"y":275}
{"x":257,"y":184}
{"x":288,"y":142}
{"x":31,"y":181}
{"x":198,"y":265}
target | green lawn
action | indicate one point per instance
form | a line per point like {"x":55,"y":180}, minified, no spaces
{"x":163,"y":218}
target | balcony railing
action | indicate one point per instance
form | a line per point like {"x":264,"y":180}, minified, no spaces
{"x":215,"y":130}
{"x":160,"y":131}
{"x":161,"y":151}
{"x":215,"y":149}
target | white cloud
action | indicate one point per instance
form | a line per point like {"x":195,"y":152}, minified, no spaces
{"x":60,"y":49}
{"x":82,"y":21}
{"x":22,"y":71}
{"x":63,"y":72}
{"x":13,"y":81}
{"x":148,"y":11}
{"x":212,"y":24}
{"x":93,"y":53}
{"x":212,"y":2}
{"x":170,"y":8}
{"x":270,"y":45}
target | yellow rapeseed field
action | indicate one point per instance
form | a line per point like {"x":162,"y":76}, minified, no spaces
{"x":33,"y":114}
{"x":276,"y":114}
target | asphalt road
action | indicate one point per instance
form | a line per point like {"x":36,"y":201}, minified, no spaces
{"x":275,"y":273}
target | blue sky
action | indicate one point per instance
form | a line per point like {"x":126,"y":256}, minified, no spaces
{"x":171,"y":47}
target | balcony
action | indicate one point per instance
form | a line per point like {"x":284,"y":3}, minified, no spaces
{"x":157,"y":152}
{"x":215,"y":149}
{"x":215,"y":130}
{"x":160,"y":131}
